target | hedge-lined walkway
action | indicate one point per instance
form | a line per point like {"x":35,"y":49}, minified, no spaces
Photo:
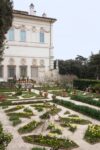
{"x":68,"y":99}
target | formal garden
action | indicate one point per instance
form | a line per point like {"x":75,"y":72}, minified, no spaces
{"x":49,"y":117}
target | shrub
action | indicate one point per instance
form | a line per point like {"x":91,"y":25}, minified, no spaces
{"x":75,"y":120}
{"x":85,"y":99}
{"x":45,"y":116}
{"x":67,"y":112}
{"x":72,"y":127}
{"x":53,"y":142}
{"x":28,"y":110}
{"x":54,"y":129}
{"x":82,"y":84}
{"x":29,"y":127}
{"x":39,"y":109}
{"x":15,"y":120}
{"x":14,"y":109}
{"x":92,"y":134}
{"x":97,"y":88}
{"x":38,"y":148}
{"x":20,"y":115}
{"x":5,"y":138}
{"x":91,"y":112}
{"x":18,"y":93}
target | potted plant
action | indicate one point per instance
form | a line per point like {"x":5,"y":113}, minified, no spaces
{"x":53,"y":96}
{"x":41,"y":93}
{"x":64,"y":93}
{"x":46,"y":94}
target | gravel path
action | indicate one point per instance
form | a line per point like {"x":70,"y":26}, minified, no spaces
{"x":17,"y":143}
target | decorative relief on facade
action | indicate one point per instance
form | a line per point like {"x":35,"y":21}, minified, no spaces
{"x":41,"y":62}
{"x":23,"y":27}
{"x":44,"y":30}
{"x":23,"y":61}
{"x":34,"y":29}
{"x":34,"y":62}
{"x":11,"y":61}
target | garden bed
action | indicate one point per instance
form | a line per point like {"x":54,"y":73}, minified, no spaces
{"x":92,"y":134}
{"x":29,"y":127}
{"x":21,"y":115}
{"x":74,"y":120}
{"x":14,"y":109}
{"x":50,"y":141}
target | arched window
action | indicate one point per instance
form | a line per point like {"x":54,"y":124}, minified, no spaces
{"x":22,"y":35}
{"x":10,"y":35}
{"x":41,"y":37}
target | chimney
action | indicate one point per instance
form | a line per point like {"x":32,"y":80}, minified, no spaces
{"x":44,"y":15}
{"x":32,"y":11}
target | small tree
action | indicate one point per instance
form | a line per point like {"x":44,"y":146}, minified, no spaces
{"x":5,"y":138}
{"x":6,"y":16}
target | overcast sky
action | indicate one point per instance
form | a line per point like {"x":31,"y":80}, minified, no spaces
{"x":77,"y":30}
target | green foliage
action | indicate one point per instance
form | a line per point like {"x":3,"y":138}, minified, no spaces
{"x":21,"y":115}
{"x":39,"y":109}
{"x":67,"y":112}
{"x":92,"y":134}
{"x":45,"y":116}
{"x":97,"y":87}
{"x":73,"y":67}
{"x":29,"y":127}
{"x":6,"y":16}
{"x":38,"y":148}
{"x":15,"y":120}
{"x":28,"y":110}
{"x":91,"y":112}
{"x":14,"y":109}
{"x":29,"y":95}
{"x":75,"y":120}
{"x":54,"y":129}
{"x":18,"y":90}
{"x":82,"y":84}
{"x":81,"y":67}
{"x":5,"y":138}
{"x":50,"y":141}
{"x":95,"y":64}
{"x":85,"y":99}
{"x":72,"y":127}
{"x":54,"y":110}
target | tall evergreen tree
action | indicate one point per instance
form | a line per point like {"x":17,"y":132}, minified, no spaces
{"x":6,"y":16}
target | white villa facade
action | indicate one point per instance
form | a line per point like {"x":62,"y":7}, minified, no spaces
{"x":30,"y":47}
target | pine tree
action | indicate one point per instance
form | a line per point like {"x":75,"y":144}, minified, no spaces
{"x":6,"y":17}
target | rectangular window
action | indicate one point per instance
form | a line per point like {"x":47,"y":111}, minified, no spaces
{"x":11,"y":35}
{"x":41,"y":37}
{"x":11,"y":71}
{"x":23,"y":36}
{"x":1,"y":71}
{"x":34,"y":72}
{"x":23,"y":71}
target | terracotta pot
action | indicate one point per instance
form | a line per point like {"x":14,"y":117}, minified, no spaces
{"x":53,"y":97}
{"x":46,"y":94}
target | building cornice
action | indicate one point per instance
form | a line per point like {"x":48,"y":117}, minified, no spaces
{"x":24,"y":14}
